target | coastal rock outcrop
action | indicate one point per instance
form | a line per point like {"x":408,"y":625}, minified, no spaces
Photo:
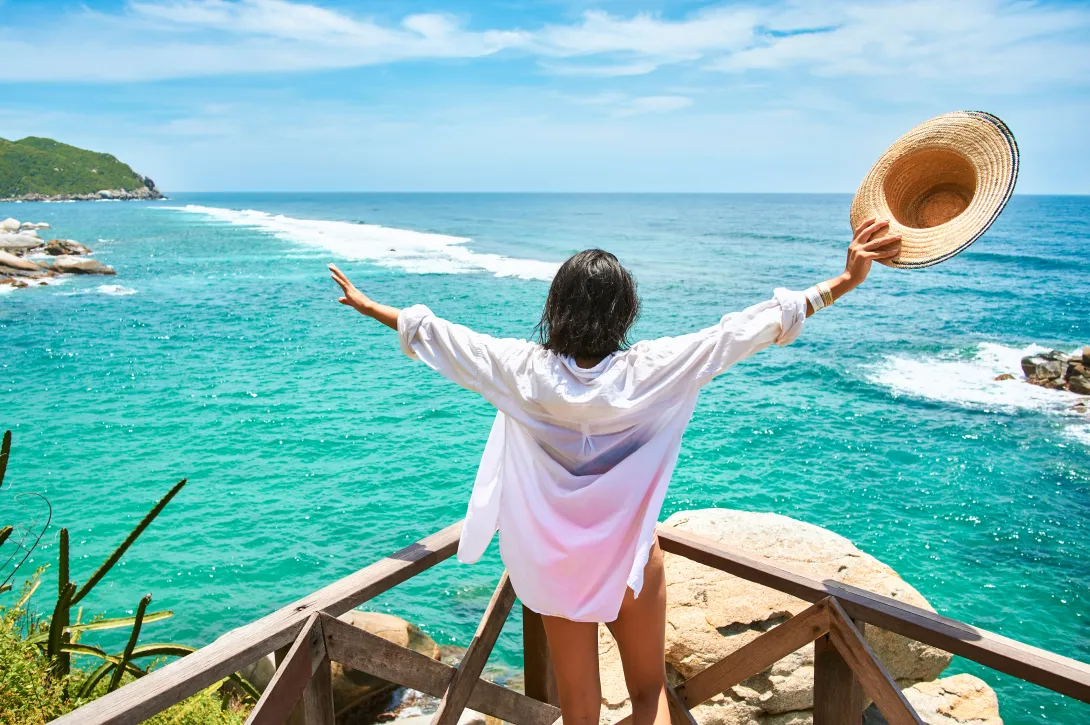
{"x":65,"y":256}
{"x":57,"y":247}
{"x":1059,"y":370}
{"x":710,"y":614}
{"x":69,"y":264}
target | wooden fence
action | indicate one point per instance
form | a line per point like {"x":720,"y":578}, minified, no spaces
{"x":307,"y":637}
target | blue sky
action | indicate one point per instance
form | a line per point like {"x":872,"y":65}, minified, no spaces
{"x":539,"y":95}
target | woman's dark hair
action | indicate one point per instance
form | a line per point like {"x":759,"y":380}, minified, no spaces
{"x":592,"y":304}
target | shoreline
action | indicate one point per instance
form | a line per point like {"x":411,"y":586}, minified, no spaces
{"x":141,"y":194}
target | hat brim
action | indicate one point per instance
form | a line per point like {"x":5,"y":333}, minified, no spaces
{"x":984,"y":143}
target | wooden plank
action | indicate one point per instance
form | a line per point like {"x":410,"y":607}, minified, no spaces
{"x":679,"y":711}
{"x":318,"y":697}
{"x":372,"y":654}
{"x":838,"y":696}
{"x":292,"y":676}
{"x":757,"y":656}
{"x":1061,"y":674}
{"x":476,"y":655}
{"x":295,"y":717}
{"x":876,"y":681}
{"x":537,"y":665}
{"x":143,"y":698}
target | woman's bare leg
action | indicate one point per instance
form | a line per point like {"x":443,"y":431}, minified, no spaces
{"x":640,"y":631}
{"x":573,"y":647}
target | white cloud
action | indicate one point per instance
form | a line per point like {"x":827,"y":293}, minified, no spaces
{"x":997,"y":42}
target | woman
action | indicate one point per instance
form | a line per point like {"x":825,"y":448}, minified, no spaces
{"x":583,"y":446}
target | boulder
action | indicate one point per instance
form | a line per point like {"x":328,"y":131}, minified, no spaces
{"x":57,"y":247}
{"x":13,"y":262}
{"x":1044,"y":367}
{"x":957,"y":700}
{"x":1086,"y":355}
{"x":710,"y":614}
{"x":365,"y":694}
{"x":70,"y":264}
{"x":1003,"y":376}
{"x":32,"y":226}
{"x":18,"y":243}
{"x":1079,"y":384}
{"x":10,"y":225}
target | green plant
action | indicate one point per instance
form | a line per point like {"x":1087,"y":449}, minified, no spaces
{"x":57,"y":638}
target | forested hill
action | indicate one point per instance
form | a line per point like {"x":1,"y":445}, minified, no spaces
{"x":41,"y":168}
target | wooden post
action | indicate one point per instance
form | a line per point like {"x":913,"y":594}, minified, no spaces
{"x":838,"y":697}
{"x":295,"y":717}
{"x":318,"y":697}
{"x":536,"y":664}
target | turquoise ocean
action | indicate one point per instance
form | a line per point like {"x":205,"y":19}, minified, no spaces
{"x":314,"y":447}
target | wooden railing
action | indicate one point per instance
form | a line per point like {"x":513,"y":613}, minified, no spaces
{"x":307,"y":637}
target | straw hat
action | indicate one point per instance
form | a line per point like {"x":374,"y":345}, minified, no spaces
{"x":941,"y":186}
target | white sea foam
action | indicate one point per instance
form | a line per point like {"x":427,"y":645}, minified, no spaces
{"x":969,"y":380}
{"x":111,"y":290}
{"x":47,"y":282}
{"x":411,"y":251}
{"x":115,"y":290}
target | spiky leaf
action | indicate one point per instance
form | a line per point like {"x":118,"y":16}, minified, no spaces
{"x":106,"y":624}
{"x":115,"y":679}
{"x":5,"y":453}
{"x":120,"y":551}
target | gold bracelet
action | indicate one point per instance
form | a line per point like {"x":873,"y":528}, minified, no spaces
{"x":826,"y":293}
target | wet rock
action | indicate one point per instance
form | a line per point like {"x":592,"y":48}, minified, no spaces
{"x":57,"y":247}
{"x":1005,"y":376}
{"x":69,"y":264}
{"x":1079,"y":384}
{"x":1043,"y":367}
{"x":711,"y":614}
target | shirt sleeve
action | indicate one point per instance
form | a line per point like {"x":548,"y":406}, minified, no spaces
{"x":700,"y":356}
{"x":475,"y":361}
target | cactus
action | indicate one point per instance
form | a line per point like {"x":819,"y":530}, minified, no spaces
{"x":126,"y":656}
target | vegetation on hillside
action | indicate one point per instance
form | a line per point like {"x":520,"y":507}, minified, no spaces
{"x":44,"y":166}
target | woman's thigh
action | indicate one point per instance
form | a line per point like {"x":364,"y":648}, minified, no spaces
{"x":573,"y":647}
{"x":640,"y":631}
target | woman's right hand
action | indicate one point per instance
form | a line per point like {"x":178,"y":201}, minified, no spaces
{"x":867,"y":246}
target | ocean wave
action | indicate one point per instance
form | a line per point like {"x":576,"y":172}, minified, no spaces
{"x":404,"y":249}
{"x":969,"y":380}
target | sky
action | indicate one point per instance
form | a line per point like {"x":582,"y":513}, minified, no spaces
{"x":540,"y":95}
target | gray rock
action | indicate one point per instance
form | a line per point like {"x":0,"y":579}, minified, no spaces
{"x":58,"y":247}
{"x":1042,"y":367}
{"x":18,"y":243}
{"x":1079,"y":384}
{"x":1086,"y":355}
{"x":69,"y":264}
{"x":9,"y":225}
{"x":28,"y":273}
{"x":31,"y":226}
{"x":13,"y":262}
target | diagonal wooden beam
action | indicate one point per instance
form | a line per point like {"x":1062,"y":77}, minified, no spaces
{"x":372,"y":654}
{"x":318,"y":697}
{"x":476,"y":655}
{"x":679,"y":711}
{"x":872,"y":675}
{"x":757,"y":656}
{"x":291,"y":678}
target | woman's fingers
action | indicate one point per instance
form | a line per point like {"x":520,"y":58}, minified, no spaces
{"x":864,"y":225}
{"x":343,"y":284}
{"x":881,"y":242}
{"x":869,"y":230}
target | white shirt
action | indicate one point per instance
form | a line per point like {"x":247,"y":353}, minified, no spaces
{"x":578,"y":461}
